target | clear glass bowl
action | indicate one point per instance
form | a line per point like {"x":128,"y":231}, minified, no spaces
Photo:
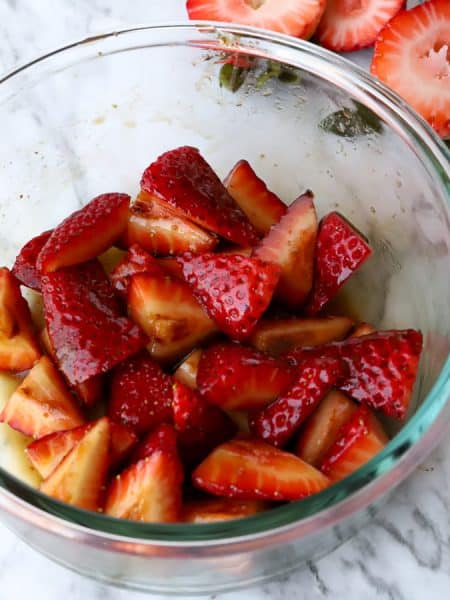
{"x":88,"y":118}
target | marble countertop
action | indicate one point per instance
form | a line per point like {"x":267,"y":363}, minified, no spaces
{"x":403,"y":555}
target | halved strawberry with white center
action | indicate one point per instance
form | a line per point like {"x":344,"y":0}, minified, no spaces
{"x":412,"y":56}
{"x":253,"y":470}
{"x":293,"y":17}
{"x":349,"y":25}
{"x":211,"y":510}
{"x":186,"y":373}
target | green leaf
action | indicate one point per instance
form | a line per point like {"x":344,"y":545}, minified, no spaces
{"x":352,"y":123}
{"x":276,"y":70}
{"x":232,"y":77}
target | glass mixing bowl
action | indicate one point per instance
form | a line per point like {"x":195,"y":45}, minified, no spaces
{"x":88,"y":118}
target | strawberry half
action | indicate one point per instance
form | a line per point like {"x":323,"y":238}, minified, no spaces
{"x":253,"y":470}
{"x":201,"y":426}
{"x":80,"y":477}
{"x":340,"y":251}
{"x":382,"y":367}
{"x":211,"y":510}
{"x":412,"y":57}
{"x":161,"y":231}
{"x":292,"y":17}
{"x":235,"y":290}
{"x":349,"y":25}
{"x":276,"y":423}
{"x":141,"y":394}
{"x":19,"y":349}
{"x":291,"y":244}
{"x":235,"y":377}
{"x":276,"y":336}
{"x":358,"y":440}
{"x":86,"y":233}
{"x":42,"y":403}
{"x":149,"y":490}
{"x":84,"y":321}
{"x":262,"y":207}
{"x":25,"y":269}
{"x":186,"y":373}
{"x":182,"y":180}
{"x":136,"y":260}
{"x":169,"y":314}
{"x":321,"y":429}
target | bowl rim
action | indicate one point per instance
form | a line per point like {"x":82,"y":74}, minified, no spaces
{"x":401,"y":455}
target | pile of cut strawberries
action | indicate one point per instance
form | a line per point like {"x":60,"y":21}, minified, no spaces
{"x":411,"y":47}
{"x":198,"y":378}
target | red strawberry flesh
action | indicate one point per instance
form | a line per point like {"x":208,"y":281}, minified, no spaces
{"x":25,"y":269}
{"x":135,"y":261}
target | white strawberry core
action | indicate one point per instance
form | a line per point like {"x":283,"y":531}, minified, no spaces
{"x":436,"y":62}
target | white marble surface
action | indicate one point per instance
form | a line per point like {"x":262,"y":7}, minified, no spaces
{"x":403,"y":555}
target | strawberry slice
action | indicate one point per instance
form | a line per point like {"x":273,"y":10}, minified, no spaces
{"x":291,"y":245}
{"x":382,"y":367}
{"x":349,"y":25}
{"x":276,"y":336}
{"x":160,"y":231}
{"x":276,"y":423}
{"x":168,"y":312}
{"x":235,"y":290}
{"x":19,"y":349}
{"x":358,"y":440}
{"x":171,"y":267}
{"x":86,"y":233}
{"x":253,"y":470}
{"x":363,"y":329}
{"x":182,"y":180}
{"x":235,"y":377}
{"x":412,"y":57}
{"x":262,"y":207}
{"x":293,"y":17}
{"x":47,"y":452}
{"x":186,"y":373}
{"x":141,"y":394}
{"x":84,"y":322}
{"x":80,"y":477}
{"x":201,"y":426}
{"x":340,"y":251}
{"x":322,"y":427}
{"x":211,"y":510}
{"x":42,"y":403}
{"x":91,"y":390}
{"x":24,"y":268}
{"x":163,"y":436}
{"x":150,"y":489}
{"x":135,"y":261}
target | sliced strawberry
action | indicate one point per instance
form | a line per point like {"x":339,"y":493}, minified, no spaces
{"x":276,"y":423}
{"x":382,"y":367}
{"x":84,"y":322}
{"x":24,"y":268}
{"x":363,"y":329}
{"x":349,"y":25}
{"x":276,"y":336}
{"x":91,"y":390}
{"x":163,"y":436}
{"x":170,"y":315}
{"x":262,"y":207}
{"x":340,"y":251}
{"x":211,"y":510}
{"x":80,"y":477}
{"x":293,"y":17}
{"x":86,"y":233}
{"x":253,"y":470}
{"x":161,"y":231}
{"x":135,"y":261}
{"x":184,"y":181}
{"x":171,"y":267}
{"x":291,"y":244}
{"x":149,"y":490}
{"x":358,"y":440}
{"x":412,"y":57}
{"x":19,"y":349}
{"x":235,"y":377}
{"x":141,"y":394}
{"x":322,"y":427}
{"x":186,"y":373}
{"x":201,"y":426}
{"x":123,"y":439}
{"x":235,"y":290}
{"x":42,"y":403}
